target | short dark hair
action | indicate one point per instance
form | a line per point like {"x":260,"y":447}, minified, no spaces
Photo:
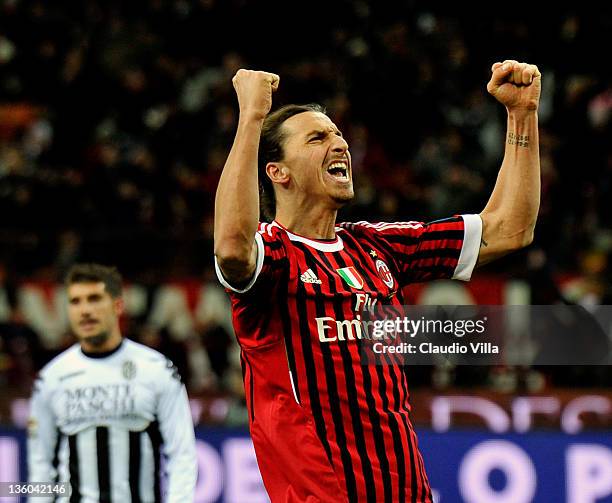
{"x":96,"y":273}
{"x":271,"y":150}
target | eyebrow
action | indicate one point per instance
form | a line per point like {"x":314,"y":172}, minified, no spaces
{"x":317,"y":132}
{"x":94,"y":295}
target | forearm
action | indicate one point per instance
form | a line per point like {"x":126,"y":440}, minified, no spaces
{"x":182,"y":472}
{"x":237,"y":198}
{"x":510,"y":215}
{"x":40,"y":467}
{"x":176,"y":427}
{"x":42,"y":435}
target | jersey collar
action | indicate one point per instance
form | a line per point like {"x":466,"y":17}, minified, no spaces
{"x":333,"y":245}
{"x":104,"y":354}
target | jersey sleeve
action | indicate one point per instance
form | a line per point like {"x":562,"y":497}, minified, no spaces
{"x":176,"y":428}
{"x":43,"y":436}
{"x":443,"y":249}
{"x":271,"y":259}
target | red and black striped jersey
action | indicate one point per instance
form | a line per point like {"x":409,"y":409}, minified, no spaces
{"x":323,"y":423}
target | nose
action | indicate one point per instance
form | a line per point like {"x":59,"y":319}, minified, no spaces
{"x":85,"y":310}
{"x":339,"y":145}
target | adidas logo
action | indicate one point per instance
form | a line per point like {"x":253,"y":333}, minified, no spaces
{"x":310,"y":277}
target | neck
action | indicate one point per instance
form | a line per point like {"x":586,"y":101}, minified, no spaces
{"x":112,"y":342}
{"x":313,"y":223}
{"x":101,"y":354}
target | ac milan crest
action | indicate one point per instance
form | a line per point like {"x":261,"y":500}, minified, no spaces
{"x":384,"y":273}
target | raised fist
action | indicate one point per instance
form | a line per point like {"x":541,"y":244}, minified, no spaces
{"x":254,"y":90}
{"x":516,"y":85}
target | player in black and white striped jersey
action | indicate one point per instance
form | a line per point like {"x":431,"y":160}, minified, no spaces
{"x":107,"y":412}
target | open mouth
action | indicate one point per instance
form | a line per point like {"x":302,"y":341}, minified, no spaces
{"x":339,"y":170}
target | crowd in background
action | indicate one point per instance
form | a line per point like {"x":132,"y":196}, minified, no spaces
{"x":116,"y":117}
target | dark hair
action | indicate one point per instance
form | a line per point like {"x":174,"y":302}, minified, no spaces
{"x":271,"y":150}
{"x":96,"y":273}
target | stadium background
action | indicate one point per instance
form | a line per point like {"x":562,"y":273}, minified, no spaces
{"x":115,"y":119}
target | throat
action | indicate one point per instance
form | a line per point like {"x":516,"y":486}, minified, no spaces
{"x":309,"y":224}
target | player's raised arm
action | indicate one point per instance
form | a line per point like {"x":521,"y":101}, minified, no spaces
{"x":509,"y":217}
{"x":237,"y":198}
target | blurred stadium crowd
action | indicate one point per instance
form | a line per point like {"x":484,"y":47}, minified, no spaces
{"x":115,"y":119}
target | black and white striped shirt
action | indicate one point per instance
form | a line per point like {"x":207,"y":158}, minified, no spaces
{"x":107,"y":423}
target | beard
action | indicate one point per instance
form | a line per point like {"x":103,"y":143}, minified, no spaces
{"x":97,"y":340}
{"x":344,"y":198}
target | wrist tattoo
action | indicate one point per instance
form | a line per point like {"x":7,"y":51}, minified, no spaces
{"x":483,"y":242}
{"x":518,"y":139}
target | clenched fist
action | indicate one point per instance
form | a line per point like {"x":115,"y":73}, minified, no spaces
{"x":516,"y":85}
{"x":254,"y":90}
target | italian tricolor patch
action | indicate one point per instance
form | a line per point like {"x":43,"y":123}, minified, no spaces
{"x":351,"y":276}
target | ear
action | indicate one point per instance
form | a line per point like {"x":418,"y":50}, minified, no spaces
{"x":278,"y":172}
{"x":119,"y":306}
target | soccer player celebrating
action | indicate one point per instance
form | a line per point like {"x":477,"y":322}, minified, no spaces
{"x":105,"y":410}
{"x":325,"y":427}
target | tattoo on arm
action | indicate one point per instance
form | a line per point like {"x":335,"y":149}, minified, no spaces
{"x":483,"y":243}
{"x":518,"y":139}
